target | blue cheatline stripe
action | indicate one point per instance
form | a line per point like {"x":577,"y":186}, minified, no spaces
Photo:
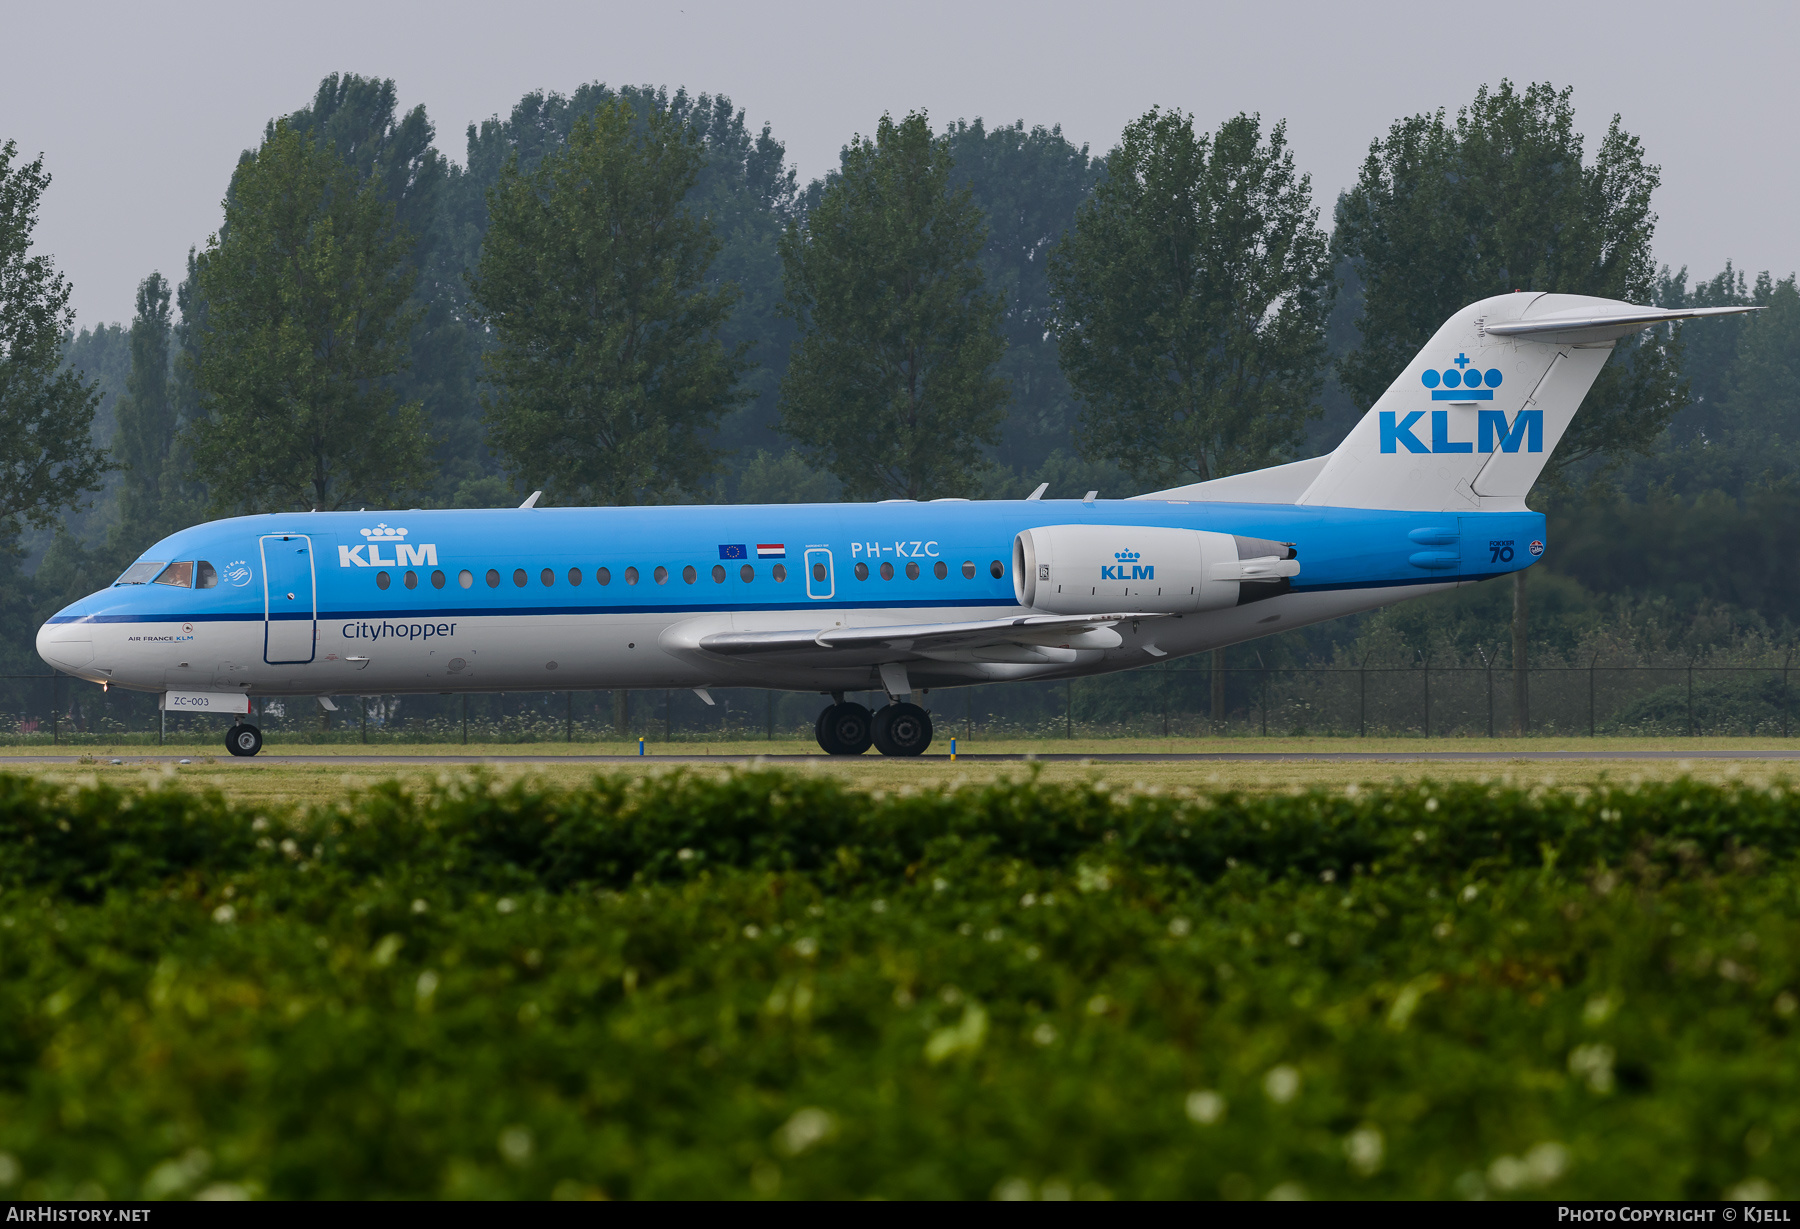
{"x":250,"y":616}
{"x":1463,"y":394}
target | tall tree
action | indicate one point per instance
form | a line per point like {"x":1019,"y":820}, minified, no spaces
{"x":1444,"y":214}
{"x":146,"y":442}
{"x":1504,"y":199}
{"x":47,"y":461}
{"x":608,"y":369}
{"x":745,"y":187}
{"x":359,"y":119}
{"x":893,"y":381}
{"x":1193,"y":294}
{"x":1028,"y":183}
{"x":306,"y":288}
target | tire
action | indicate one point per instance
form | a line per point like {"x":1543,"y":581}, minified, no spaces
{"x":843,"y":729}
{"x":902,"y":729}
{"x":243,"y":740}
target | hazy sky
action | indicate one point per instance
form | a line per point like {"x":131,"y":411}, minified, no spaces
{"x":141,"y":110}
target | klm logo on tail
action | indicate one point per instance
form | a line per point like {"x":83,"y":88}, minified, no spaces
{"x":1527,"y":428}
{"x":1127,"y":567}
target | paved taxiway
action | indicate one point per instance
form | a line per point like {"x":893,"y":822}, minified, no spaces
{"x":268,"y":759}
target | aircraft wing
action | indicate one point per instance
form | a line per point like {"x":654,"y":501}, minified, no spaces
{"x":1058,"y":631}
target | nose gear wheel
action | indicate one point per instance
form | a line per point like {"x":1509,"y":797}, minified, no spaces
{"x":243,"y":740}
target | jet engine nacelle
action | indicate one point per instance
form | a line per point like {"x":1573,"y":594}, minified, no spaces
{"x":1101,"y":569}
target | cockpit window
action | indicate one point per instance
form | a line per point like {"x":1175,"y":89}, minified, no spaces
{"x":181,"y":575}
{"x":205,"y":576}
{"x":140,"y":573}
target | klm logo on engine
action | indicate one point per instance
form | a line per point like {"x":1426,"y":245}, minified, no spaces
{"x":1491,"y":431}
{"x":405,"y":555}
{"x":1127,"y":567}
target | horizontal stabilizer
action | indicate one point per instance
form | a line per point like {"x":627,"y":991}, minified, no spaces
{"x":1586,"y":325}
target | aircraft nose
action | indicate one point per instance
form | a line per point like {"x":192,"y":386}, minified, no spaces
{"x":66,"y":646}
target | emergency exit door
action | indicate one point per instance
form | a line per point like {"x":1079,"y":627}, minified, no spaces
{"x":290,"y":601}
{"x":821,"y":581}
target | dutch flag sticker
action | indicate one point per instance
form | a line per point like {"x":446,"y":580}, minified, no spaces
{"x":771,"y":550}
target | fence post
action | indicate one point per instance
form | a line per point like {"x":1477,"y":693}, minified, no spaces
{"x":1690,"y":699}
{"x":569,"y":717}
{"x":1069,"y":709}
{"x":1362,"y":698}
{"x":465,"y":718}
{"x":1591,"y":661}
{"x":1428,"y":697}
{"x":1786,"y":702}
{"x":1165,"y":696}
{"x":769,"y":730}
{"x":1488,"y":664}
{"x":1264,"y":705}
{"x":365,"y":718}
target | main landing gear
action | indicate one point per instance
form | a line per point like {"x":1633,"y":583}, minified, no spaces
{"x":243,"y":740}
{"x":847,"y":728}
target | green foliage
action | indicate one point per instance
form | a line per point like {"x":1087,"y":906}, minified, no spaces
{"x":608,"y":366}
{"x":1193,"y":294}
{"x":358,"y":119}
{"x":47,"y":463}
{"x":767,"y":984}
{"x":306,"y":322}
{"x":784,"y":479}
{"x":1503,"y":199}
{"x":1027,"y":183}
{"x":892,"y":381}
{"x":159,"y":494}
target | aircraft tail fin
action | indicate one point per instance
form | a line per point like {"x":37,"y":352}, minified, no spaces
{"x":1470,"y":423}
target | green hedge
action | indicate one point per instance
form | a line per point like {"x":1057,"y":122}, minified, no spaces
{"x":765,"y":983}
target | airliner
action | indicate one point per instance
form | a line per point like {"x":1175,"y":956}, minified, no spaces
{"x":1427,"y":492}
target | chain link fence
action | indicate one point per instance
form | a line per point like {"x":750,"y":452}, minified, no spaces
{"x":1190,"y":698}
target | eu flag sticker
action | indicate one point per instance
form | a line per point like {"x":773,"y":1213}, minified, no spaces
{"x":734,"y":551}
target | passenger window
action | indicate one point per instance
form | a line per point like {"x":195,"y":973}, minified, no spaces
{"x":819,"y":572}
{"x":747,"y":573}
{"x":466,"y":579}
{"x":437,"y":580}
{"x":862,"y":571}
{"x":602,"y":576}
{"x":969,"y":570}
{"x":939,"y":570}
{"x":205,"y":577}
{"x":181,"y":575}
{"x":519,"y":577}
{"x":548,"y":577}
{"x":383,"y":580}
{"x":661,"y":574}
{"x":912,"y":571}
{"x":493,"y":579}
{"x":575,"y":576}
{"x":996,"y":569}
{"x":412,"y":580}
{"x":688,"y":574}
{"x":887,"y":571}
{"x":778,"y":573}
{"x":718,"y":573}
{"x":140,"y":573}
{"x":631,"y":576}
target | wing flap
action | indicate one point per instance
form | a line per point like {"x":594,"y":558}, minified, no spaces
{"x":1085,"y":631}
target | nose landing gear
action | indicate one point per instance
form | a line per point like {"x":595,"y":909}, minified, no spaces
{"x":243,"y":740}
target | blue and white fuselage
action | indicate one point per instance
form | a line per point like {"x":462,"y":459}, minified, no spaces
{"x":1427,"y":492}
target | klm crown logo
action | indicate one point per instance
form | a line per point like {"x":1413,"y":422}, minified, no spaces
{"x":381,"y":533}
{"x":1127,"y":567}
{"x":1461,"y":384}
{"x":422,"y":555}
